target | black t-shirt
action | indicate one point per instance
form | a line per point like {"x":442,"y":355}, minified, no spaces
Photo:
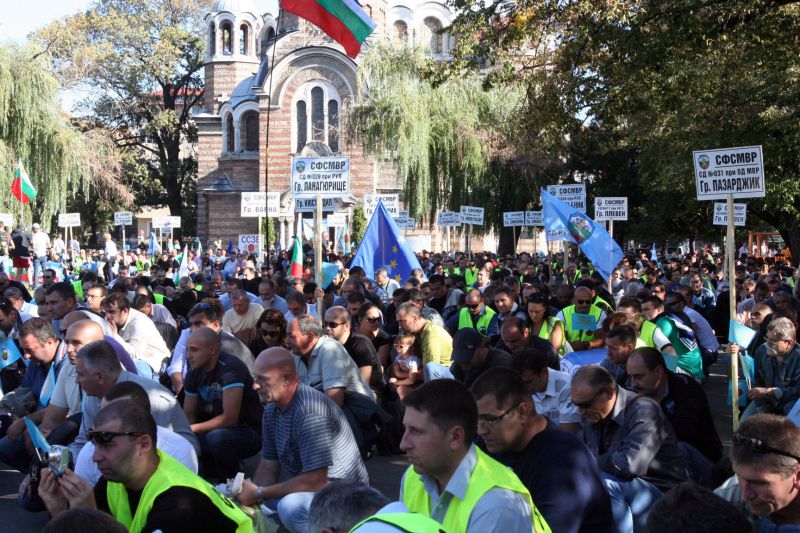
{"x":437,"y":303}
{"x":382,"y":339}
{"x":209,"y":387}
{"x":564,"y":481}
{"x":21,"y":240}
{"x":494,"y":359}
{"x":176,"y":510}
{"x":363,"y":353}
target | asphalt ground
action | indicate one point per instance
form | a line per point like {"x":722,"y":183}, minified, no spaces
{"x":384,"y":471}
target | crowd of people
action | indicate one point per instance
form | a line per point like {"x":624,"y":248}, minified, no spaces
{"x":525,"y":396}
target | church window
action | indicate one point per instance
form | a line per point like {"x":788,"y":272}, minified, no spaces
{"x":400,"y":33}
{"x":302,"y":125}
{"x":432,"y":38}
{"x":227,"y":37}
{"x":230,"y":133}
{"x":333,"y":125}
{"x":250,"y":131}
{"x":317,"y":115}
{"x":244,"y":39}
{"x":212,"y":38}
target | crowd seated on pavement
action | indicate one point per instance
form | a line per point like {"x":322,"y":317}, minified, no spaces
{"x":535,"y":397}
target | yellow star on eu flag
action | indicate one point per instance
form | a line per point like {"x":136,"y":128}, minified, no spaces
{"x":397,"y":278}
{"x":394,"y":249}
{"x":393,"y":263}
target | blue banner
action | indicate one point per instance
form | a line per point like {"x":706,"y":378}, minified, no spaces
{"x":564,"y":222}
{"x":37,"y":438}
{"x":9,"y":353}
{"x":740,"y":334}
{"x":384,"y":246}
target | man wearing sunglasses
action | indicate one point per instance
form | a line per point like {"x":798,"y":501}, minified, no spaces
{"x":338,"y":325}
{"x":167,"y":495}
{"x":474,"y":315}
{"x":581,"y":339}
{"x":633,"y":442}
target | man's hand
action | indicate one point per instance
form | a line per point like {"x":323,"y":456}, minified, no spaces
{"x":319,"y":294}
{"x":733,"y":349}
{"x":50,"y":493}
{"x":16,"y":429}
{"x":249,"y":494}
{"x":77,"y":491}
{"x":112,"y":326}
{"x":757,"y":393}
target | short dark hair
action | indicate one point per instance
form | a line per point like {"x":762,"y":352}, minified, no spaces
{"x":436,"y":278}
{"x":531,"y":359}
{"x":100,"y":355}
{"x":449,"y":404}
{"x":41,"y":329}
{"x":692,"y":507}
{"x":84,"y":520}
{"x":131,"y":390}
{"x":64,"y":289}
{"x":140,"y":301}
{"x":651,"y":357}
{"x":774,"y":431}
{"x":626,"y":334}
{"x":117,"y":299}
{"x":209,"y":307}
{"x":133,"y":417}
{"x":504,"y":385}
{"x":630,"y":301}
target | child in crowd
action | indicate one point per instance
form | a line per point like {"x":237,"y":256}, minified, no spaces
{"x":407,"y":367}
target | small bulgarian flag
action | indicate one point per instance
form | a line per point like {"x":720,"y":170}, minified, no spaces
{"x":21,"y":187}
{"x":297,"y":259}
{"x":343,"y":20}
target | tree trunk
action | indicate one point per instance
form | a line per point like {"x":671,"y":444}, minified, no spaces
{"x":506,"y":243}
{"x":792,"y":237}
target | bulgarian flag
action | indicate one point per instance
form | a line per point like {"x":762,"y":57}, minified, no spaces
{"x":21,"y":187}
{"x":343,"y":20}
{"x":297,"y":259}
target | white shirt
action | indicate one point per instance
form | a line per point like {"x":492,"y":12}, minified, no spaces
{"x":234,"y":322}
{"x":142,"y":340}
{"x":556,"y":401}
{"x":39,"y":242}
{"x":167,"y":441}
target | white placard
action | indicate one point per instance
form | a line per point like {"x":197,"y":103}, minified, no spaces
{"x":328,"y":176}
{"x":390,"y":201}
{"x":166,"y":224}
{"x":513,"y":218}
{"x":337,"y":220}
{"x":254,"y":204}
{"x":737,"y":171}
{"x":449,"y":219}
{"x":610,"y":208}
{"x":123,"y":218}
{"x":7,"y":219}
{"x":405,"y":222}
{"x":309,"y":205}
{"x":249,"y":243}
{"x":69,"y":220}
{"x":534,"y":218}
{"x":403,"y":214}
{"x":721,"y":214}
{"x":472,"y":215}
{"x":573,"y":194}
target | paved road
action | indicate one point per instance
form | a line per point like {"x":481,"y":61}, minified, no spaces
{"x":384,"y":472}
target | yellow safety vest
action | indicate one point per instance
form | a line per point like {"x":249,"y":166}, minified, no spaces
{"x":409,"y":522}
{"x":579,"y":335}
{"x":78,"y":286}
{"x":488,"y":474}
{"x":465,"y":320}
{"x":170,"y":473}
{"x":470,"y":276}
{"x":646,"y":335}
{"x":547,"y":329}
{"x":159,"y":298}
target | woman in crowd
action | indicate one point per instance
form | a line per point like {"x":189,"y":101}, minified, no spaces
{"x":368,"y":322}
{"x":270,"y":332}
{"x":543,"y":324}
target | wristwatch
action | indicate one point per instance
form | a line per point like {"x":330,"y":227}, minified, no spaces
{"x":259,"y":494}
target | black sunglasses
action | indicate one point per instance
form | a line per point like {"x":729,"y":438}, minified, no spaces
{"x":587,"y":404}
{"x":760,"y":446}
{"x":474,"y":306}
{"x":372,"y":319}
{"x":265,"y":333}
{"x":581,"y":302}
{"x":105,"y":437}
{"x":333,"y":325}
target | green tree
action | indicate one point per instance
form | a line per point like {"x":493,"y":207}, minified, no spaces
{"x":63,"y":158}
{"x":145,"y":58}
{"x":359,"y":225}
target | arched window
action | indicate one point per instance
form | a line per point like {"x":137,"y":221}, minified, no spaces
{"x":244,"y":39}
{"x":333,"y":125}
{"x":212,"y":38}
{"x":229,"y":133}
{"x":400,"y":33}
{"x":432,"y":38}
{"x":227,"y":38}
{"x":270,"y":35}
{"x":302,"y":125}
{"x":250,"y":129}
{"x":317,"y":115}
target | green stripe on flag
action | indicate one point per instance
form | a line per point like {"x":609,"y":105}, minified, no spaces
{"x":352,"y":21}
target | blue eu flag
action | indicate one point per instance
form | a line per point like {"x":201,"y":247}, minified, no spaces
{"x":383,"y":246}
{"x":562,"y":222}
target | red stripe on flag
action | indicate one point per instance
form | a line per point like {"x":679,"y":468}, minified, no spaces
{"x":318,"y":15}
{"x":16,"y":190}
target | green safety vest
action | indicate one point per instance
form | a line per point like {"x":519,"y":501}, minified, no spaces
{"x":579,"y":335}
{"x":408,"y":522}
{"x":646,"y":335}
{"x":159,"y":298}
{"x":470,"y":276}
{"x":598,"y":300}
{"x":198,"y":288}
{"x":78,"y":286}
{"x":465,"y":320}
{"x":547,"y":329}
{"x":488,"y":474}
{"x":170,"y":473}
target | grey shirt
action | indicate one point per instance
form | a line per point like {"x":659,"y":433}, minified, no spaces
{"x":163,"y":406}
{"x":329,"y":366}
{"x":636,"y":440}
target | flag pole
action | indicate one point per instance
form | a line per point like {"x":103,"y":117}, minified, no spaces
{"x":732,"y":310}
{"x":269,"y":113}
{"x":318,"y":257}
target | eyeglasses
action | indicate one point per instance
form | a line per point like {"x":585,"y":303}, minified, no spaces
{"x":583,"y":302}
{"x":493,"y":421}
{"x":265,"y":333}
{"x":473,"y":306}
{"x":372,"y":319}
{"x":587,"y":404}
{"x":760,"y":446}
{"x":333,"y":325}
{"x":105,"y":437}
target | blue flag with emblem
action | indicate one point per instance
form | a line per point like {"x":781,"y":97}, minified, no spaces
{"x":383,"y":246}
{"x":562,"y":222}
{"x":37,"y":438}
{"x":155,"y":247}
{"x":9,"y":353}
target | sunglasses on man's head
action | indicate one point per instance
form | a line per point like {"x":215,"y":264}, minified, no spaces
{"x":758,"y":445}
{"x":105,"y":437}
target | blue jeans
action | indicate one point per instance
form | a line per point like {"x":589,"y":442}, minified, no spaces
{"x":631,"y":501}
{"x":38,"y":268}
{"x":436,"y":371}
{"x":14,"y":454}
{"x":293,"y":510}
{"x":222,"y":449}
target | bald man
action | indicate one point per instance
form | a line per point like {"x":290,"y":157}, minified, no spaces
{"x":306,"y":441}
{"x":221,"y":404}
{"x":583,"y":336}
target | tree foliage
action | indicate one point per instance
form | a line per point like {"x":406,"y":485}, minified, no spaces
{"x":62,"y":158}
{"x":145,"y":58}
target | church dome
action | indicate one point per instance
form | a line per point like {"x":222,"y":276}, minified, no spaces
{"x":233,"y":6}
